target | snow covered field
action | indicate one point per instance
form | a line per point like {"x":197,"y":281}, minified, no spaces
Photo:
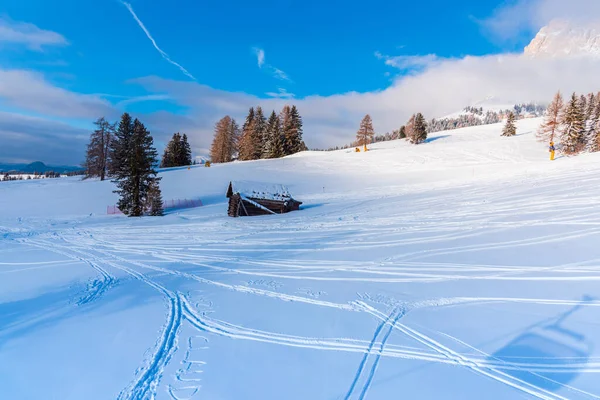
{"x":464,"y":268}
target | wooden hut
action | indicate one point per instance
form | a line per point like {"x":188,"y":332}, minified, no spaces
{"x":249,"y":199}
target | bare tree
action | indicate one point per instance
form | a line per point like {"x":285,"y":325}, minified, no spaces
{"x":365,"y":133}
{"x":410,"y":127}
{"x":223,"y":145}
{"x":551,"y":125}
{"x":249,"y":143}
{"x":98,"y":150}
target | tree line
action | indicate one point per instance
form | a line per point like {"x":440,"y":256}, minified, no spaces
{"x":259,"y":138}
{"x":476,"y":116}
{"x":415,"y":131}
{"x":576,"y":123}
{"x":125,"y":152}
{"x":25,"y":176}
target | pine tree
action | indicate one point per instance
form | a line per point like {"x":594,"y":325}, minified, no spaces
{"x":223,"y":146}
{"x":233,"y":134}
{"x":291,"y":123}
{"x":510,"y":129}
{"x":97,"y":158}
{"x":274,"y":139}
{"x":176,"y":149}
{"x":551,"y":125}
{"x":590,"y":106}
{"x":178,"y":152}
{"x":119,"y":147}
{"x":583,"y":105}
{"x":154,"y":202}
{"x":285,"y":116}
{"x":594,"y":134}
{"x":298,"y":144}
{"x":590,"y":123}
{"x":402,"y":133}
{"x":168,"y":159}
{"x":572,"y":137}
{"x":135,"y":158}
{"x":171,"y":155}
{"x":186,"y":151}
{"x":259,"y":134}
{"x":365,"y":133}
{"x":419,"y":129}
{"x":247,"y":142}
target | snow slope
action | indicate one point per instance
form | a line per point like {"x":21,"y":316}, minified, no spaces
{"x":463,"y":268}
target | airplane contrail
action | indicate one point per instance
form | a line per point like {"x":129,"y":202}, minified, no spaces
{"x":162,"y":53}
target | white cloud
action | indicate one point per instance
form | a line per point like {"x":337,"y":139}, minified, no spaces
{"x":281,"y":93}
{"x":511,"y":20}
{"x":28,"y":139}
{"x":30,"y":91}
{"x":435,"y":86}
{"x":139,"y":99}
{"x":409,"y":62}
{"x":279,"y":74}
{"x":262,"y":64}
{"x":443,"y":87}
{"x":29,"y":35}
{"x":260,"y":56}
{"x":160,"y":51}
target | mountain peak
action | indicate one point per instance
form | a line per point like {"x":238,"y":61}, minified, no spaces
{"x":561,"y":38}
{"x":36,"y":164}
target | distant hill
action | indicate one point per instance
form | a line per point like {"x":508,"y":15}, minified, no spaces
{"x":37,"y":166}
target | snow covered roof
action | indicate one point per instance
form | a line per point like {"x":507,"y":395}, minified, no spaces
{"x":259,"y":190}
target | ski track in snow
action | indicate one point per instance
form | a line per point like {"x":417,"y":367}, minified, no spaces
{"x":486,"y":371}
{"x":148,"y":376}
{"x":382,"y":329}
{"x":96,"y":287}
{"x":179,"y":309}
{"x":99,"y":286}
{"x":298,"y":259}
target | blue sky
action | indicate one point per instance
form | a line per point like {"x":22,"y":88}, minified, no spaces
{"x":309,"y":40}
{"x":78,"y":60}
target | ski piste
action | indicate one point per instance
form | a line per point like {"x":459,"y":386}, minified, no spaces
{"x":464,"y":267}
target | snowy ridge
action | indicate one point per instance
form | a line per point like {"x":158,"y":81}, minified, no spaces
{"x":562,"y":38}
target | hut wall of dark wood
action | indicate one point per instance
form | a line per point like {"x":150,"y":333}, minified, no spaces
{"x":234,"y":205}
{"x":239,"y":207}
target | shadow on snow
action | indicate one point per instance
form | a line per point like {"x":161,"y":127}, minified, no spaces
{"x":551,"y":347}
{"x":433,"y":139}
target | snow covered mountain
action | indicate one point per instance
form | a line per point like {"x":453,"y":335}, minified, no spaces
{"x":38,"y":167}
{"x":562,"y":38}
